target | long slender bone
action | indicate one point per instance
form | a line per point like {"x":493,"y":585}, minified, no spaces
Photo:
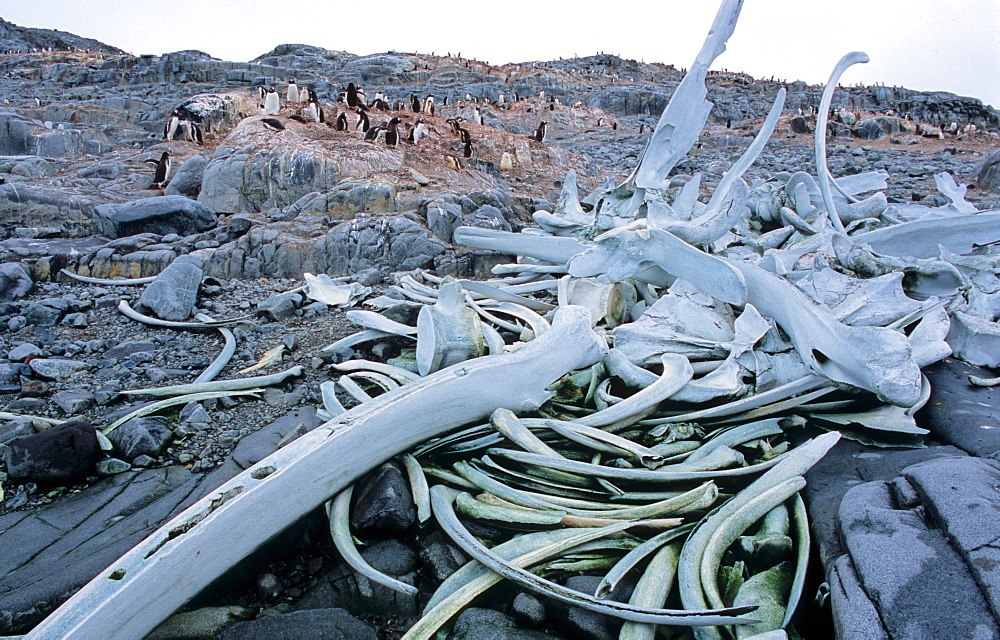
{"x":168,"y":568}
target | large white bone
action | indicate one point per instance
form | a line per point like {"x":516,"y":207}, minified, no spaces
{"x":132,"y":596}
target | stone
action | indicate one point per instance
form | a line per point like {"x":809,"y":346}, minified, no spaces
{"x":73,"y":401}
{"x":57,"y":143}
{"x":23,"y":351}
{"x":582,"y":623}
{"x":13,"y":430}
{"x":201,"y":624}
{"x":15,"y":281}
{"x":43,"y":315}
{"x":78,"y":320}
{"x":141,"y":436}
{"x":960,"y":413}
{"x":111,"y":466}
{"x":278,"y":307}
{"x":174,"y":292}
{"x":527,"y":610}
{"x":56,"y":369}
{"x":475,"y":623}
{"x":868,"y":129}
{"x":194,"y":412}
{"x":442,"y":559}
{"x":187,"y":181}
{"x":798,"y":124}
{"x":382,"y":503}
{"x":125,"y":349}
{"x":159,"y":214}
{"x":988,"y":177}
{"x":62,"y":454}
{"x":312,"y":624}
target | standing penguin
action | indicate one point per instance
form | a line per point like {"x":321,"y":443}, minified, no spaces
{"x":418,"y":131}
{"x":293,"y":92}
{"x":171,"y":126}
{"x":540,"y":132}
{"x":415,"y":104}
{"x":467,"y":150}
{"x":272,"y":104}
{"x":363,"y":124}
{"x":315,"y":111}
{"x":477,"y":116}
{"x":391,"y":133}
{"x":162,"y":170}
{"x":352,"y":95}
{"x":506,"y":161}
{"x":342,"y":121}
{"x":429,"y":105}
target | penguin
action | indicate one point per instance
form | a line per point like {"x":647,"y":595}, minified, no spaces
{"x":500,"y":99}
{"x":464,"y":133}
{"x":292,"y":94}
{"x":306,"y":94}
{"x":362,"y":99}
{"x":272,"y":124}
{"x":171,"y":126}
{"x":342,"y":121}
{"x":445,"y":101}
{"x":352,"y":95}
{"x":552,"y":106}
{"x":506,"y":162}
{"x":418,"y":131}
{"x":398,"y":105}
{"x":162,"y":170}
{"x":453,"y":162}
{"x":453,"y":123}
{"x":372,"y":134}
{"x":296,"y":117}
{"x":415,"y":104}
{"x":342,"y":97}
{"x":272,"y":104}
{"x":539,"y":135}
{"x":467,"y":150}
{"x":315,"y":111}
{"x":477,"y":116}
{"x":378,"y":96}
{"x":363,"y":122}
{"x":380,"y":104}
{"x":261,"y":92}
{"x":614,"y":125}
{"x":391,"y":134}
{"x":428,"y":108}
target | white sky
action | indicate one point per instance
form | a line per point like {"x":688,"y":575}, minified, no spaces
{"x":947,"y":45}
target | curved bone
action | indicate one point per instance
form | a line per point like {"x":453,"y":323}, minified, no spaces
{"x":171,"y":566}
{"x":108,"y":281}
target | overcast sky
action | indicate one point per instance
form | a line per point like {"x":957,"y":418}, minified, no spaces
{"x":947,"y":45}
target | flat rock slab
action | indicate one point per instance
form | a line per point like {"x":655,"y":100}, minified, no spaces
{"x":48,"y":553}
{"x":961,"y":413}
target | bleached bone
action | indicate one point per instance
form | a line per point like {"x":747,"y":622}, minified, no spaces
{"x":924,"y":238}
{"x":171,"y":566}
{"x":873,"y":358}
{"x":448,"y":332}
{"x":327,"y":290}
{"x":955,"y":193}
{"x":108,"y":281}
{"x":684,"y":118}
{"x":822,"y":170}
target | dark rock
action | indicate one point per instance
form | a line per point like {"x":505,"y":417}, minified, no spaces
{"x":12,"y":431}
{"x":78,"y":320}
{"x":311,"y":624}
{"x":959,"y":412}
{"x":42,"y":315}
{"x":174,"y":292}
{"x":868,"y":130}
{"x":585,"y":624}
{"x":799,"y":125}
{"x":160,"y":214}
{"x":486,"y":624}
{"x":989,"y":173}
{"x":442,"y":559}
{"x":280,"y":306}
{"x":528,"y":610}
{"x":383,"y":505}
{"x":187,"y":180}
{"x":141,"y":436}
{"x":73,"y":401}
{"x":15,"y":281}
{"x":10,"y":373}
{"x":61,"y":454}
{"x":111,"y":466}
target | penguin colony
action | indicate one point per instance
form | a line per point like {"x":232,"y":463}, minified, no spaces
{"x":412,"y":122}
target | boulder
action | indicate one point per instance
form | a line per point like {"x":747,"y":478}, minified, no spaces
{"x":187,"y":181}
{"x":159,"y":214}
{"x":383,"y":505}
{"x":486,"y":624}
{"x":311,"y":624}
{"x":174,"y":292}
{"x":989,"y":173}
{"x":868,"y":129}
{"x":62,"y":454}
{"x":55,"y":143}
{"x":15,"y":281}
{"x":798,"y":124}
{"x":147,"y":436}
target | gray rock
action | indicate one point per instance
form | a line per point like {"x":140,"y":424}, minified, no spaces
{"x":486,"y":624}
{"x":13,"y":430}
{"x":78,"y":320}
{"x":73,"y":401}
{"x":61,"y":454}
{"x":799,"y":125}
{"x":187,"y":180}
{"x":125,"y":349}
{"x":15,"y":282}
{"x":868,"y":130}
{"x":383,"y":505}
{"x":53,"y":369}
{"x":111,"y":466}
{"x":174,"y":292}
{"x":201,"y":624}
{"x":960,"y":413}
{"x":160,"y":214}
{"x":989,"y":173}
{"x":10,"y":374}
{"x":584,"y":624}
{"x":278,"y":307}
{"x":528,"y":610}
{"x":22,"y":351}
{"x":57,"y":143}
{"x":141,"y":436}
{"x":42,"y":315}
{"x":194,"y":412}
{"x":312,"y":624}
{"x":854,"y":615}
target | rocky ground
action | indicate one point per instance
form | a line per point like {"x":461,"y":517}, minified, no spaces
{"x":257,"y":208}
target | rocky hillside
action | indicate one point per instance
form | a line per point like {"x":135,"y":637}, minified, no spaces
{"x":15,"y":39}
